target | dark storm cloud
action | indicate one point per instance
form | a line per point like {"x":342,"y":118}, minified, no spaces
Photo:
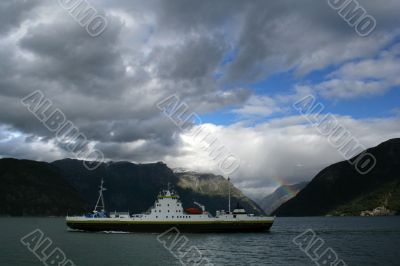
{"x":88,"y":79}
{"x":13,"y":12}
{"x":273,"y":36}
{"x":196,"y":57}
{"x":66,"y":54}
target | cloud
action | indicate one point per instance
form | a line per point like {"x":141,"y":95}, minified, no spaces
{"x":366,"y":77}
{"x":258,"y":106}
{"x":284,"y":150}
{"x":13,"y":13}
{"x":18,"y":145}
{"x":106,"y":86}
{"x":290,"y":35}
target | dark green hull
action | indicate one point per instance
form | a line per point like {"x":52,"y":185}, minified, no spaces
{"x":195,"y":227}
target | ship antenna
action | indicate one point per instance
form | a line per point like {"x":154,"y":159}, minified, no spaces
{"x":229,"y":195}
{"x":102,"y":206}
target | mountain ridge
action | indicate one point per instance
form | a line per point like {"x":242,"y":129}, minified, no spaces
{"x":340,"y":190}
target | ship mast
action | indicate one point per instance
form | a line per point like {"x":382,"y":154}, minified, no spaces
{"x":229,"y":195}
{"x":101,"y":198}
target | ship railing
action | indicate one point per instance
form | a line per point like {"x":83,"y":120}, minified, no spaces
{"x":116,"y":214}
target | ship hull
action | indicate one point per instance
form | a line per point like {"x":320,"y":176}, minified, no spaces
{"x":158,"y":227}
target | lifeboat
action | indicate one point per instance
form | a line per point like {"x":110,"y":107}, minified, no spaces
{"x":193,"y":211}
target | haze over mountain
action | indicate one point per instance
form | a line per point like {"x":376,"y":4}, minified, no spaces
{"x":66,"y":186}
{"x":282,"y":194}
{"x":341,"y":190}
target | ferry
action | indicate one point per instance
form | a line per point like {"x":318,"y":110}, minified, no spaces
{"x":168,"y":212}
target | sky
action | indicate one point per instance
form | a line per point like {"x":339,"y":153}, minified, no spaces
{"x":240,"y":66}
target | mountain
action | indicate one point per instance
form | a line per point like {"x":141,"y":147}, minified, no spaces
{"x":340,"y":190}
{"x":66,"y":186}
{"x":34,"y":188}
{"x":282,"y":194}
{"x":206,"y":185}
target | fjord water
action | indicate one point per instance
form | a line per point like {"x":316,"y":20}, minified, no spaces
{"x":356,"y":240}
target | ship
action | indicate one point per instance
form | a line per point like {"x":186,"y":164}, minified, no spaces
{"x":168,"y":212}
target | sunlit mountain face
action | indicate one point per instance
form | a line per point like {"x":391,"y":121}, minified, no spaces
{"x":237,"y":88}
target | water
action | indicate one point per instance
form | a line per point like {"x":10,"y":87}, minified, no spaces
{"x":356,"y":240}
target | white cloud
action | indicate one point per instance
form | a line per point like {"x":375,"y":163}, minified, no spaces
{"x":258,"y":106}
{"x":18,"y":145}
{"x":370,"y":76}
{"x":285,"y":150}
